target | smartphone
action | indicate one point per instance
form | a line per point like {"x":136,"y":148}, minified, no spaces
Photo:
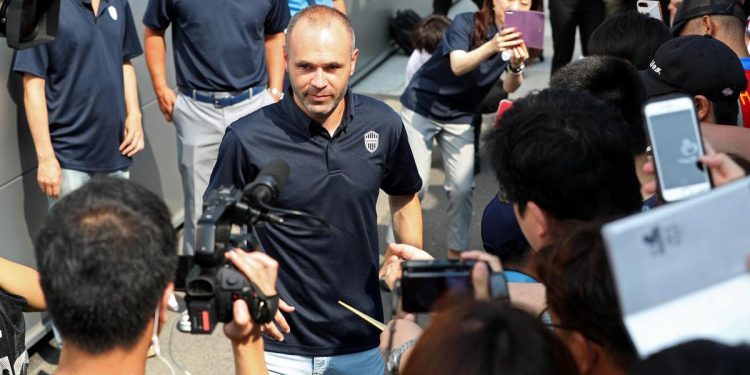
{"x":423,"y":282}
{"x":530,"y":24}
{"x":651,"y":8}
{"x":676,"y":146}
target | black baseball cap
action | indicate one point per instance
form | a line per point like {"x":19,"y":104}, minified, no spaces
{"x":690,"y":9}
{"x":695,"y":65}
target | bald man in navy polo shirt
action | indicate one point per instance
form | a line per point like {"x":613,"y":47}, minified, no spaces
{"x":342,"y":148}
{"x":80,"y":95}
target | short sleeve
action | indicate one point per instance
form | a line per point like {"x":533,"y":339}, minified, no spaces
{"x":277,"y":18}
{"x":159,"y":14}
{"x":458,"y":36}
{"x":131,"y":43}
{"x":233,"y":166}
{"x":401,"y":175}
{"x":32,"y":61}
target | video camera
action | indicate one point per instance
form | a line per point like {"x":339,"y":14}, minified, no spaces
{"x":213,"y":284}
{"x":27,"y":23}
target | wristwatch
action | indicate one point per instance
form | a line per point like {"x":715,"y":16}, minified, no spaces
{"x":394,"y":359}
{"x":518,"y":70}
{"x":276,"y":93}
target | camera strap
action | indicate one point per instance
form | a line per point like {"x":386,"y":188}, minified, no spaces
{"x":263,"y":307}
{"x":499,"y":287}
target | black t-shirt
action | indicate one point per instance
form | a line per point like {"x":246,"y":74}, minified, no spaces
{"x":336,"y":178}
{"x":13,"y":357}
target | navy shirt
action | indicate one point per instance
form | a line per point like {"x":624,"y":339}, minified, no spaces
{"x":337,"y":179}
{"x":219,"y":45}
{"x":84,"y":87}
{"x":435,"y":92}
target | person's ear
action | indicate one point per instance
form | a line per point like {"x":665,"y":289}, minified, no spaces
{"x":703,"y":108}
{"x":355,"y":56}
{"x":534,"y":224}
{"x":707,"y":26}
{"x":286,"y":57}
{"x":583,"y":351}
{"x":164,"y":304}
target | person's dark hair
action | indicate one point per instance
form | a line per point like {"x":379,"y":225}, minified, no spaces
{"x":483,"y":20}
{"x":567,"y":152}
{"x":105,"y":253}
{"x":696,"y":357}
{"x":629,"y":35}
{"x":615,"y":81}
{"x":474,"y":338}
{"x":725,"y":111}
{"x":428,"y":33}
{"x":580,"y":289}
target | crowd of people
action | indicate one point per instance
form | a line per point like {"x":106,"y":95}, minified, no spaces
{"x":271,"y":81}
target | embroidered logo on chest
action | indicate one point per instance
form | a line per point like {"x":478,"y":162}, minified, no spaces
{"x":371,"y":141}
{"x":112,"y":12}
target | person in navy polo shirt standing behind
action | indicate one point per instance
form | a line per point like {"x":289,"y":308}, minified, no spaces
{"x":80,"y":96}
{"x":342,"y":149}
{"x":439,"y":102}
{"x":228,"y":60}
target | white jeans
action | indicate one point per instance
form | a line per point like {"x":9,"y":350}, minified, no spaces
{"x":200,"y":128}
{"x":72,"y":180}
{"x":456,"y":143}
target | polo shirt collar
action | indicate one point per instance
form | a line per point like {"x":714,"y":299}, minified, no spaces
{"x":313,"y":127}
{"x":103,"y":4}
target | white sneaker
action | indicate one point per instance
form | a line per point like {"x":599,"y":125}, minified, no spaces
{"x":172,"y":303}
{"x":184,"y":324}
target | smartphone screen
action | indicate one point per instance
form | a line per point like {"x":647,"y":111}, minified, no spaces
{"x":651,"y":8}
{"x":677,"y":147}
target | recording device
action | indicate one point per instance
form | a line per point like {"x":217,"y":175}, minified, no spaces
{"x":676,"y":144}
{"x":651,"y":8}
{"x":213,"y":284}
{"x":424,"y":281}
{"x":530,"y":24}
{"x":27,"y":23}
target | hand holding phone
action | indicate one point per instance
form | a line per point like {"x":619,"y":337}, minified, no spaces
{"x":677,"y":147}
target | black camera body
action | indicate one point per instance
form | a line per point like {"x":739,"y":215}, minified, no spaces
{"x":213,"y":284}
{"x":425,"y":281}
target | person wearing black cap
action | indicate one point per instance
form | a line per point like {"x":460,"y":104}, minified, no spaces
{"x":724,"y":20}
{"x":703,"y":68}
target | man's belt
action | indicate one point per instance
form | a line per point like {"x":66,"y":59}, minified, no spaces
{"x":220,"y":102}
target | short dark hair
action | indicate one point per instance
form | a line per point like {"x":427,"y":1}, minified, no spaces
{"x":319,"y":15}
{"x":105,"y":252}
{"x":615,"y":81}
{"x":725,"y":111}
{"x":629,"y":35}
{"x":474,"y":338}
{"x":696,"y":357}
{"x":429,"y":32}
{"x":581,"y":291}
{"x":567,"y":152}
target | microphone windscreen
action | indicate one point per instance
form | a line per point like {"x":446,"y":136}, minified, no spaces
{"x":278,"y":170}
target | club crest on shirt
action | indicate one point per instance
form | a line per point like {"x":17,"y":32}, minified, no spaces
{"x":112,"y":13}
{"x":371,"y":141}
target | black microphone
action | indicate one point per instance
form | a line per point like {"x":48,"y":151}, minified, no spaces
{"x":270,"y":181}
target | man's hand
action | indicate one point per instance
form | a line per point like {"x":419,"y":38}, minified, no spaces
{"x":49,"y":176}
{"x":480,"y":274}
{"x":262,"y":271}
{"x":166,"y":99}
{"x":133,"y":141}
{"x":390,"y":271}
{"x":272,"y":330}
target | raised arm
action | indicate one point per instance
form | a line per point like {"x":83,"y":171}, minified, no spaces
{"x":22,"y":281}
{"x":463,"y":62}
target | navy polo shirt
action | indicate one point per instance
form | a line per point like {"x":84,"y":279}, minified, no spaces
{"x":219,"y":45}
{"x":84,"y":87}
{"x":435,"y":92}
{"x":337,"y":179}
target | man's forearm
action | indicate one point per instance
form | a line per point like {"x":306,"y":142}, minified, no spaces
{"x":22,"y":281}
{"x":407,"y":219}
{"x":156,"y":51}
{"x":130,"y":81}
{"x":275,"y":60}
{"x":35,"y":103}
